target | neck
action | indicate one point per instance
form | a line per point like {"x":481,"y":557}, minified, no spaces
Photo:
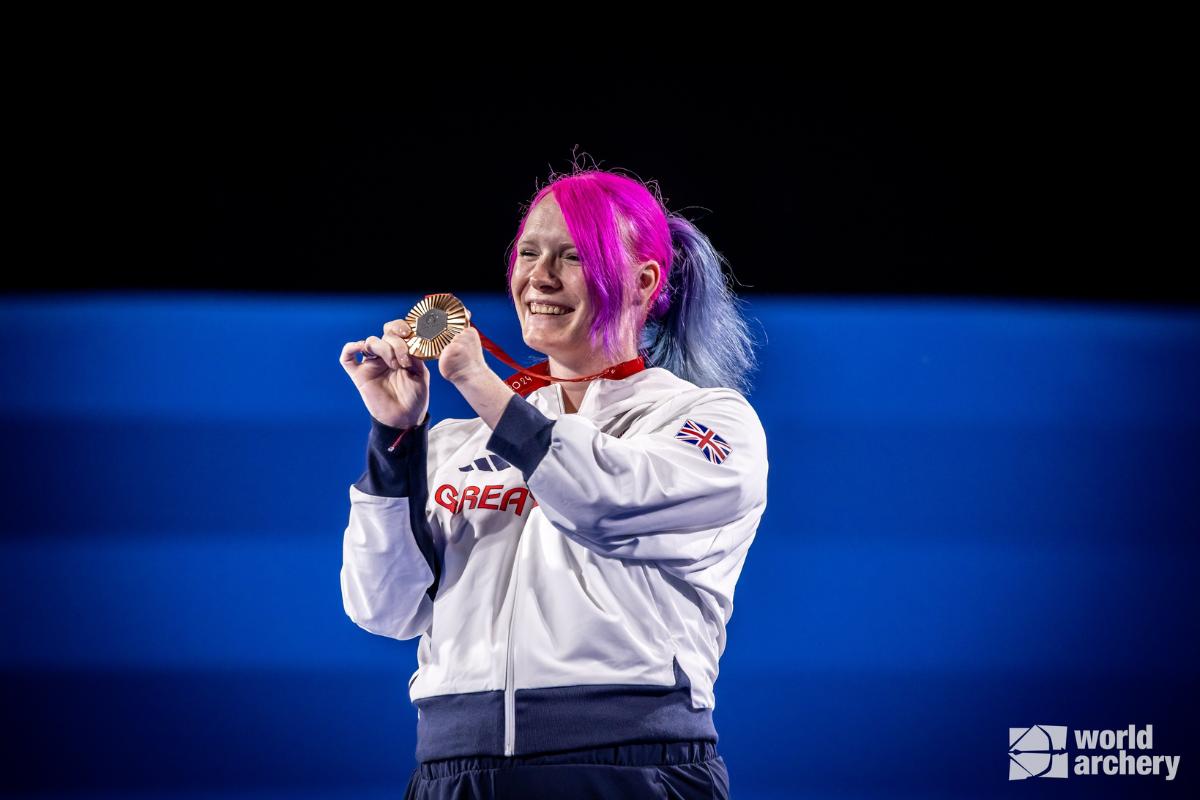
{"x":574,"y":391}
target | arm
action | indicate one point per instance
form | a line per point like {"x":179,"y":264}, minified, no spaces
{"x":390,"y":568}
{"x":650,"y":496}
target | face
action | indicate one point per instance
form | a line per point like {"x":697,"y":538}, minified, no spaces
{"x":548,"y":268}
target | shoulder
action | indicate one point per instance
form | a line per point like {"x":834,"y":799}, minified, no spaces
{"x":683,"y":395}
{"x":724,"y":411}
{"x":729,"y":410}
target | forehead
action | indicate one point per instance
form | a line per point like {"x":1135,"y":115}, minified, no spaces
{"x":545,"y":224}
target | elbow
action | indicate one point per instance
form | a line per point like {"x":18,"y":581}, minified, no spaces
{"x":379,"y":628}
{"x":388,"y":626}
{"x":384,"y":618}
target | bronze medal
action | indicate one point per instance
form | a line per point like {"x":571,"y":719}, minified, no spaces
{"x":435,"y":321}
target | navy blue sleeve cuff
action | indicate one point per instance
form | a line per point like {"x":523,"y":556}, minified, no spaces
{"x":522,"y":436}
{"x":401,"y":472}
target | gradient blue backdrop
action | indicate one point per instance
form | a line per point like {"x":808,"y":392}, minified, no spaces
{"x":981,"y":514}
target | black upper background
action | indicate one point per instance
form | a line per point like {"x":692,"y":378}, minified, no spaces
{"x":1057,"y":182}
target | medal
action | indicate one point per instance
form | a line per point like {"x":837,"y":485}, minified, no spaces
{"x":435,"y":321}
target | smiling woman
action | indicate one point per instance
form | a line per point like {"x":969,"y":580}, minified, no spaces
{"x":569,"y":556}
{"x":623,"y":275}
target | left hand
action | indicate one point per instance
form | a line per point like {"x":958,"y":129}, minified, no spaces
{"x":463,"y":357}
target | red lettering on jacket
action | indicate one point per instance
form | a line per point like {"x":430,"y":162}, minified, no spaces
{"x":489,"y":492}
{"x":447,"y":496}
{"x":470,"y":494}
{"x":517,"y":497}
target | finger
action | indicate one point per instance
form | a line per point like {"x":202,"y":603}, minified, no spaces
{"x":349,"y":356}
{"x":399,"y":327}
{"x":400,"y":346}
{"x":384,"y":350}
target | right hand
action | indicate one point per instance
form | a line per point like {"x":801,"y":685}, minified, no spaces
{"x":394,"y":386}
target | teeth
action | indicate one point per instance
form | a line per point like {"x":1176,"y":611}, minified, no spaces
{"x":538,"y":308}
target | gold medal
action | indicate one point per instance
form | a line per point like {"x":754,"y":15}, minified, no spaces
{"x":435,"y":321}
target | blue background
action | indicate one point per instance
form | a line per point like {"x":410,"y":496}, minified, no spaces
{"x":981,"y":515}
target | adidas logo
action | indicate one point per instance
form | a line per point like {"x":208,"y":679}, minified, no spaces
{"x":488,"y":463}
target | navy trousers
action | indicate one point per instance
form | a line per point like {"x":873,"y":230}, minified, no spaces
{"x":659,"y":771}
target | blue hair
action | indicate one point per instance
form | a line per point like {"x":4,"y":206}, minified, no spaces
{"x":703,"y":336}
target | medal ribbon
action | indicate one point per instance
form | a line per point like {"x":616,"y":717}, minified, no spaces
{"x":532,"y":380}
{"x":524,"y":381}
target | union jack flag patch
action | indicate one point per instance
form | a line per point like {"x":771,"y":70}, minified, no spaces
{"x":715,"y":448}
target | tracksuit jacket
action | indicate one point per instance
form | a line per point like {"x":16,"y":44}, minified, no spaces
{"x":570,"y":575}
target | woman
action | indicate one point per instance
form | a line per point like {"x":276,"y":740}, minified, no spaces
{"x":569,"y":556}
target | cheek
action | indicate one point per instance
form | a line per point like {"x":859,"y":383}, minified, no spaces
{"x":517,"y":284}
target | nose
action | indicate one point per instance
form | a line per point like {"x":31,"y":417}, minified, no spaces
{"x":542,"y":276}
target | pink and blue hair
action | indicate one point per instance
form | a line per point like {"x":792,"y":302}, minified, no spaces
{"x":694,"y":325}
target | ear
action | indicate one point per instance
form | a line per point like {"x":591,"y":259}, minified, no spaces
{"x":648,"y":277}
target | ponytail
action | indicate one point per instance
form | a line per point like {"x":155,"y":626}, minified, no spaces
{"x":702,"y":336}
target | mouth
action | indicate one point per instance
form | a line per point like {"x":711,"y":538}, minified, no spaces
{"x":548,"y":309}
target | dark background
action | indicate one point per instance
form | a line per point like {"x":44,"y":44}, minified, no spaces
{"x":1063,"y":176}
{"x":971,"y":286}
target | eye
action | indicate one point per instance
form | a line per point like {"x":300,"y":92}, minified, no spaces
{"x":572,"y":256}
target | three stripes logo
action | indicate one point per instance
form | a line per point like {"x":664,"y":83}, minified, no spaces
{"x":489,"y":462}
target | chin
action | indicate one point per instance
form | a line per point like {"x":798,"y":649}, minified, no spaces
{"x":542,"y":345}
{"x":560,"y":344}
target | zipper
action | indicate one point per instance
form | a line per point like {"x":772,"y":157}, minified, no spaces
{"x":510,"y":678}
{"x":510,"y":710}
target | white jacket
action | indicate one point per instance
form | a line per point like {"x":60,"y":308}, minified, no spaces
{"x":570,"y":575}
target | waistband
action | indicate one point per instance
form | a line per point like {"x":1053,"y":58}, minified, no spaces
{"x":560,"y":718}
{"x":645,"y":754}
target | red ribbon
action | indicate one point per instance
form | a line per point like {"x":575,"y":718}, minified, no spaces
{"x":525,"y":381}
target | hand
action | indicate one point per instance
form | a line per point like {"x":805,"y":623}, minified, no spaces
{"x":395,"y":385}
{"x":463,"y":357}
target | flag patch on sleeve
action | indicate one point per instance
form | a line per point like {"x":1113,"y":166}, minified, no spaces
{"x":715,"y":448}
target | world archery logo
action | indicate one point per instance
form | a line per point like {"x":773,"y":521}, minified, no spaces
{"x":1039,"y":751}
{"x":715,"y":448}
